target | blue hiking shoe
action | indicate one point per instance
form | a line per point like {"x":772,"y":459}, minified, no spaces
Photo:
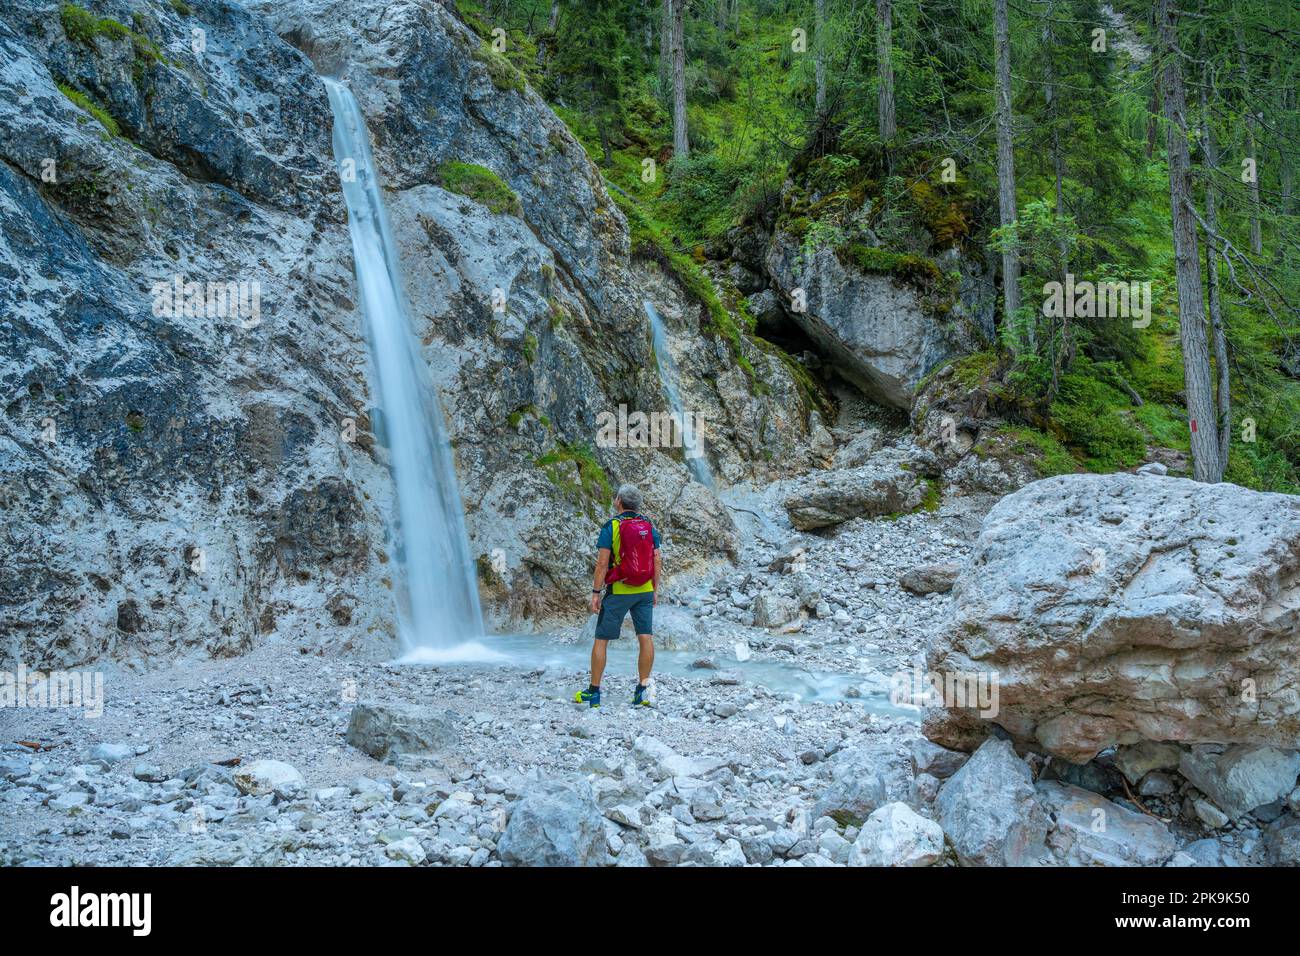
{"x":590,"y":697}
{"x":642,"y":696}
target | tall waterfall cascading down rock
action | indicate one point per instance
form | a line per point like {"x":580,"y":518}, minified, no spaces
{"x":693,"y":442}
{"x":438,"y":602}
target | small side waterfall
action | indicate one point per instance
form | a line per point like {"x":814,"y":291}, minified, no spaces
{"x":696,"y":463}
{"x":437,"y":594}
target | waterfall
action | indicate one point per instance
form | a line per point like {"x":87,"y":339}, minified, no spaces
{"x":696,"y":463}
{"x":437,"y":594}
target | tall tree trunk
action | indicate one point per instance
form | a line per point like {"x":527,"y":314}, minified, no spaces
{"x":1153,"y":102}
{"x":1223,"y":401}
{"x":681,"y":148}
{"x":1286,"y":172}
{"x":1191,"y":315}
{"x":1065,"y":355}
{"x":1006,"y":163}
{"x":885,"y":69}
{"x":554,"y":20}
{"x":1252,"y":187}
{"x":819,"y":60}
{"x":666,"y":46}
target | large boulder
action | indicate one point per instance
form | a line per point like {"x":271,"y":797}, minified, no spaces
{"x":1121,"y":608}
{"x":554,"y":823}
{"x":830,"y":497}
{"x":896,"y":835}
{"x":662,"y":762}
{"x":1089,"y":830}
{"x":930,"y":578}
{"x":268,"y":776}
{"x":1240,"y":778}
{"x":1282,"y":842}
{"x":773,"y":610}
{"x":864,"y":778}
{"x":990,"y":810}
{"x":386,"y":730}
{"x":1140,"y":759}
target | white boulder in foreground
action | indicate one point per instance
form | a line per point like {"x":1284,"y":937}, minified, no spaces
{"x":896,"y":835}
{"x":1121,"y":608}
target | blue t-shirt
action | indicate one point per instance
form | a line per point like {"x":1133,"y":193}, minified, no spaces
{"x":607,"y":539}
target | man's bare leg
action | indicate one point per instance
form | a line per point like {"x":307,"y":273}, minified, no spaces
{"x":598,"y":648}
{"x":645,"y":660}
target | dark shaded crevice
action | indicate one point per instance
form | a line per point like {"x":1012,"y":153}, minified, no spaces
{"x":787,"y":334}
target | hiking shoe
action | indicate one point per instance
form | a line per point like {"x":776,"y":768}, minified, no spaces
{"x":642,"y":696}
{"x":590,"y":697}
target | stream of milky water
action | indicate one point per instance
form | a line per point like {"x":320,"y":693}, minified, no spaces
{"x":696,"y":463}
{"x":437,"y":596}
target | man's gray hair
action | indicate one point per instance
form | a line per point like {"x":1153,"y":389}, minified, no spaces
{"x":630,"y":495}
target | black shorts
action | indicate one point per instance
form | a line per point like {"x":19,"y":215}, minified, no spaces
{"x":615,"y":607}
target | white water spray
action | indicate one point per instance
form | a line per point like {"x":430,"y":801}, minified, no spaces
{"x":437,"y":596}
{"x":696,"y":463}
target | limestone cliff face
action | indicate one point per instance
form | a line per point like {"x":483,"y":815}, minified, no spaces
{"x":175,"y":480}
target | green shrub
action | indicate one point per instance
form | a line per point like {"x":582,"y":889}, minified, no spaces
{"x":1166,"y":427}
{"x":557,"y":313}
{"x":1092,"y":416}
{"x":82,"y":26}
{"x":481,"y":185}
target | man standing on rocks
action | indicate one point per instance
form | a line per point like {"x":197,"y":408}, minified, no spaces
{"x":626,"y":581}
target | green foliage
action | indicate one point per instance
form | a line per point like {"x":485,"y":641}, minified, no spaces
{"x":515,"y":418}
{"x":82,"y":26}
{"x":974,"y":369}
{"x":1094,"y":417}
{"x":1167,"y":427}
{"x":701,"y":195}
{"x":504,"y":74}
{"x":90,"y":106}
{"x":933,"y":497}
{"x":762,"y":159}
{"x":573,"y":468}
{"x":481,"y":185}
{"x":557,"y":312}
{"x":1048,"y":456}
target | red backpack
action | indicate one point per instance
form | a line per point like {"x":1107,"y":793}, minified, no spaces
{"x":636,"y":552}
